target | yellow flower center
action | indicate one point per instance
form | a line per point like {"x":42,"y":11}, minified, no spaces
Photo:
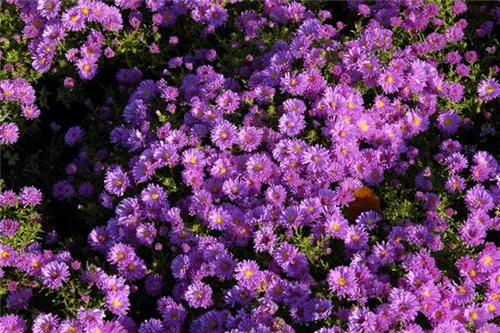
{"x":341,"y":281}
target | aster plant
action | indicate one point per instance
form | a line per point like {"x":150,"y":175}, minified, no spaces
{"x":251,"y":166}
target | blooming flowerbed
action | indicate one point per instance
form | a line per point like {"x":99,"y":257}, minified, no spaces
{"x":249,"y":166}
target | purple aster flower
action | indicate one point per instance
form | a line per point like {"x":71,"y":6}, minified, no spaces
{"x":30,"y":196}
{"x":368,"y":219}
{"x":193,"y":158}
{"x":316,"y":158}
{"x":454,"y":91}
{"x":291,"y":123}
{"x":259,"y":167}
{"x":120,"y":253}
{"x":180,"y":266}
{"x":9,"y":133}
{"x":199,"y":295}
{"x":463,"y":70}
{"x":87,"y":68}
{"x":8,"y":198}
{"x":293,"y":83}
{"x":472,"y":233}
{"x":8,"y":227}
{"x":459,"y":7}
{"x":488,"y":89}
{"x":404,"y":304}
{"x":98,"y":238}
{"x":265,"y":239}
{"x":73,"y":19}
{"x":219,"y":218}
{"x":30,"y":111}
{"x":235,"y":188}
{"x":152,"y":326}
{"x":456,"y":162}
{"x":390,"y":81}
{"x":224,"y":266}
{"x":341,"y":280}
{"x":356,"y":237}
{"x":485,"y":159}
{"x":448,"y":121}
{"x":49,"y":8}
{"x":173,"y":314}
{"x":54,"y":274}
{"x":153,"y":284}
{"x":154,"y":196}
{"x":45,"y":323}
{"x":217,"y":16}
{"x":478,"y":198}
{"x":86,"y":190}
{"x":63,"y":190}
{"x":285,"y":255}
{"x":133,"y":270}
{"x":128,"y":211}
{"x":19,"y":298}
{"x":12,"y":324}
{"x":455,"y":183}
{"x":117,"y":302}
{"x":74,"y":135}
{"x":471,"y":56}
{"x":146,"y":233}
{"x":7,"y":255}
{"x":228,"y":101}
{"x":336,"y":225}
{"x":293,"y":216}
{"x":247,"y":273}
{"x":276,"y":195}
{"x":166,"y":154}
{"x":250,"y":138}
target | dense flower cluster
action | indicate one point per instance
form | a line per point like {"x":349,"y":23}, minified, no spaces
{"x":323,"y":184}
{"x":23,"y":94}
